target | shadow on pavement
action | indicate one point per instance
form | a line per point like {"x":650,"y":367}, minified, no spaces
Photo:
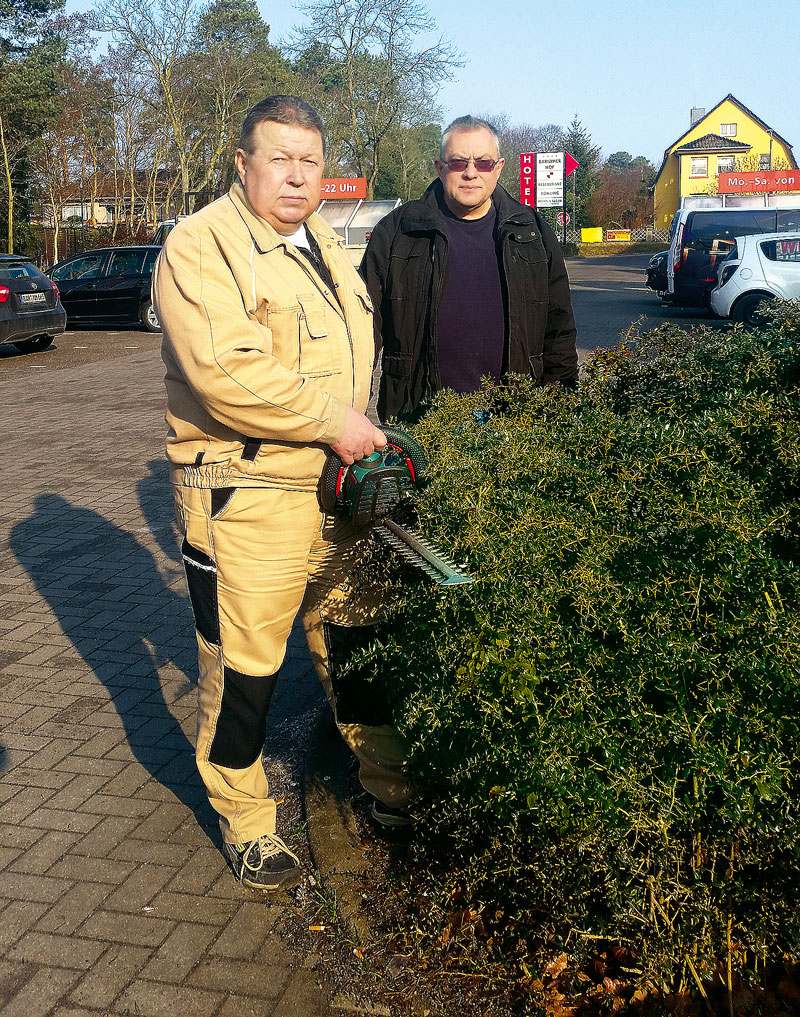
{"x":125,"y":623}
{"x":155,"y":501}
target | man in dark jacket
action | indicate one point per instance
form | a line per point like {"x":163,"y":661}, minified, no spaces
{"x":467,"y":283}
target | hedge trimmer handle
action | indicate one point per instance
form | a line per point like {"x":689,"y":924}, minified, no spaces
{"x":370,"y":488}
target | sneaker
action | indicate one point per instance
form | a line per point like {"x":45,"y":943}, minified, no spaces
{"x":390,"y":818}
{"x":264,"y":863}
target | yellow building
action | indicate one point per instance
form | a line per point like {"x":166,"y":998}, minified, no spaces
{"x":730,"y":136}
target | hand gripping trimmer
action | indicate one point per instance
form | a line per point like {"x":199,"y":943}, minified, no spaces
{"x":368,"y":491}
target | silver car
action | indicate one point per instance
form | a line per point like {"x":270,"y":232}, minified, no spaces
{"x":759,"y":268}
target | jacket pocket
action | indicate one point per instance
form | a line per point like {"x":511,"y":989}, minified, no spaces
{"x":316,"y":350}
{"x":396,"y":365}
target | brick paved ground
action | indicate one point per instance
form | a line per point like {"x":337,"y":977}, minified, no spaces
{"x":114,"y":897}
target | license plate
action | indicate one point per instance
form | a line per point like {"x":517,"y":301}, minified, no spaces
{"x":33,"y":298}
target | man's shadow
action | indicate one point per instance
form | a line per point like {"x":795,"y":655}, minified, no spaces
{"x":156,"y":506}
{"x":111,"y":601}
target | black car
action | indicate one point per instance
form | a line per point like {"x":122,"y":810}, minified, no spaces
{"x":111,"y":284}
{"x":30,"y":311}
{"x":657,"y":274}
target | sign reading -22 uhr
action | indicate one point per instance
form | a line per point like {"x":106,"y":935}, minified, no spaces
{"x":344,"y":187}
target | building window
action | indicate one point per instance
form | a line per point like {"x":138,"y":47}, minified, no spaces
{"x":727,"y":130}
{"x":764,"y":161}
{"x":699,"y":167}
{"x":725,"y":163}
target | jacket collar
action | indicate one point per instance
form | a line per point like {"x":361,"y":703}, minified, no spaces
{"x":264,"y":236}
{"x":425,"y":214}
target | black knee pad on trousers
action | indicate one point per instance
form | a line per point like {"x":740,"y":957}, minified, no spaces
{"x":360,"y":698}
{"x":241,"y":727}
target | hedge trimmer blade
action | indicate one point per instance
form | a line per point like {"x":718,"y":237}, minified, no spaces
{"x":420,"y":552}
{"x":369,"y":490}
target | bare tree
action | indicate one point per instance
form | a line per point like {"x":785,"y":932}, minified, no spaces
{"x":371,"y":73}
{"x":160,"y":31}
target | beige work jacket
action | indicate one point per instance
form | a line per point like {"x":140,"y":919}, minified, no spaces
{"x":257,"y":347}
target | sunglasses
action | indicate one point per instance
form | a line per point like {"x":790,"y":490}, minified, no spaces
{"x":481,"y":165}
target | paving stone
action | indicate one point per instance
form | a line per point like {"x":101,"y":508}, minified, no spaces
{"x":112,"y":973}
{"x":106,"y":836}
{"x":155,"y":999}
{"x":200,"y":872}
{"x":42,"y":889}
{"x":18,"y":916}
{"x":62,"y":819}
{"x":131,"y":849}
{"x":72,"y":910}
{"x":140,"y":887}
{"x":244,"y":977}
{"x":179,"y":953}
{"x":189,"y":907}
{"x":139,"y":930}
{"x":246,"y":931}
{"x":23,"y":803}
{"x":39,"y":995}
{"x":56,"y":951}
{"x":40,"y":859}
{"x":12,"y":979}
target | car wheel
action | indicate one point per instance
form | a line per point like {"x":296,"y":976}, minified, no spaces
{"x":41,"y":342}
{"x":148,"y":317}
{"x":750,"y":309}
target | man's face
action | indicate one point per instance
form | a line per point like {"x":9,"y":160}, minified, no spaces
{"x":282,"y":176}
{"x":468,"y":193}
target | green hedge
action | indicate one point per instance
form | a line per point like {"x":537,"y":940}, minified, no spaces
{"x":605,"y":725}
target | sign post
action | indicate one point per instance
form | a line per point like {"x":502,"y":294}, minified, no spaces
{"x":543,"y":183}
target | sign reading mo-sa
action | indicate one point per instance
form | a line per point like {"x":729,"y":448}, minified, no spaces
{"x":759,"y":180}
{"x":344,"y":187}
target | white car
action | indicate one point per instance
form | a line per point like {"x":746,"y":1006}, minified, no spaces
{"x":758,"y":268}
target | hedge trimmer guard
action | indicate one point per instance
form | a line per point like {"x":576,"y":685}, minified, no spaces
{"x":369,"y":490}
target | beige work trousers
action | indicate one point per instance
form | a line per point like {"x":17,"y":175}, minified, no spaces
{"x":254,"y":558}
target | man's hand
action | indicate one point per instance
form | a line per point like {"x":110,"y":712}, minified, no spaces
{"x":359,"y":439}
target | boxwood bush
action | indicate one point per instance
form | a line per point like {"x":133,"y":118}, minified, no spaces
{"x":604,"y":727}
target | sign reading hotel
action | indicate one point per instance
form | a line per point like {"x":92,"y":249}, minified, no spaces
{"x":344,"y":187}
{"x":527,"y":178}
{"x":759,"y":181}
{"x":549,"y":179}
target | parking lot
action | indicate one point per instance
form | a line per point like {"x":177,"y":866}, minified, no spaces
{"x":608,"y":295}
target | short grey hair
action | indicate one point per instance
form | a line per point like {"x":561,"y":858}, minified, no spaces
{"x":467,"y":123}
{"x":280,"y":109}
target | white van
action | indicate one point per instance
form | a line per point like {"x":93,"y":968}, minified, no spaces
{"x":701,"y":237}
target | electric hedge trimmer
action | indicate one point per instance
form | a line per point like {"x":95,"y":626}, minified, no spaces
{"x":368,"y":491}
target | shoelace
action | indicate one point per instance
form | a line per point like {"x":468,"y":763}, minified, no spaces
{"x":269,"y":846}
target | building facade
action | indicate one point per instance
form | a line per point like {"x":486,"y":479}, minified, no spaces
{"x":728,"y":137}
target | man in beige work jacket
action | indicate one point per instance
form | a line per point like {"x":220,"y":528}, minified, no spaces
{"x":268,"y":346}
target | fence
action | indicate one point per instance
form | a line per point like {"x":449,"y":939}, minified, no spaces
{"x":639,"y":235}
{"x":76,"y":239}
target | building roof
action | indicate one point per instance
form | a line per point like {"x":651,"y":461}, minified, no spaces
{"x":748,"y":112}
{"x":712,"y":143}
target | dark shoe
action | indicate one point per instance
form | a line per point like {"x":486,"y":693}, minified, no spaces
{"x":264,"y":863}
{"x":389,"y":818}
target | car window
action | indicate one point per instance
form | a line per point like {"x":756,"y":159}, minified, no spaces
{"x":125,"y":263}
{"x":782,"y":250}
{"x":86,"y":267}
{"x":707,"y":227}
{"x":149,"y":262}
{"x":18,"y":270}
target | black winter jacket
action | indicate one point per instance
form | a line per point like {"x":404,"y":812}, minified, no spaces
{"x":404,"y":267}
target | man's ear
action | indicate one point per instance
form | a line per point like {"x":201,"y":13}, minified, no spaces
{"x":240,"y":162}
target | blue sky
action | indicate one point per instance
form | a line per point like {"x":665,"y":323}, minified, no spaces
{"x":630,"y":69}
